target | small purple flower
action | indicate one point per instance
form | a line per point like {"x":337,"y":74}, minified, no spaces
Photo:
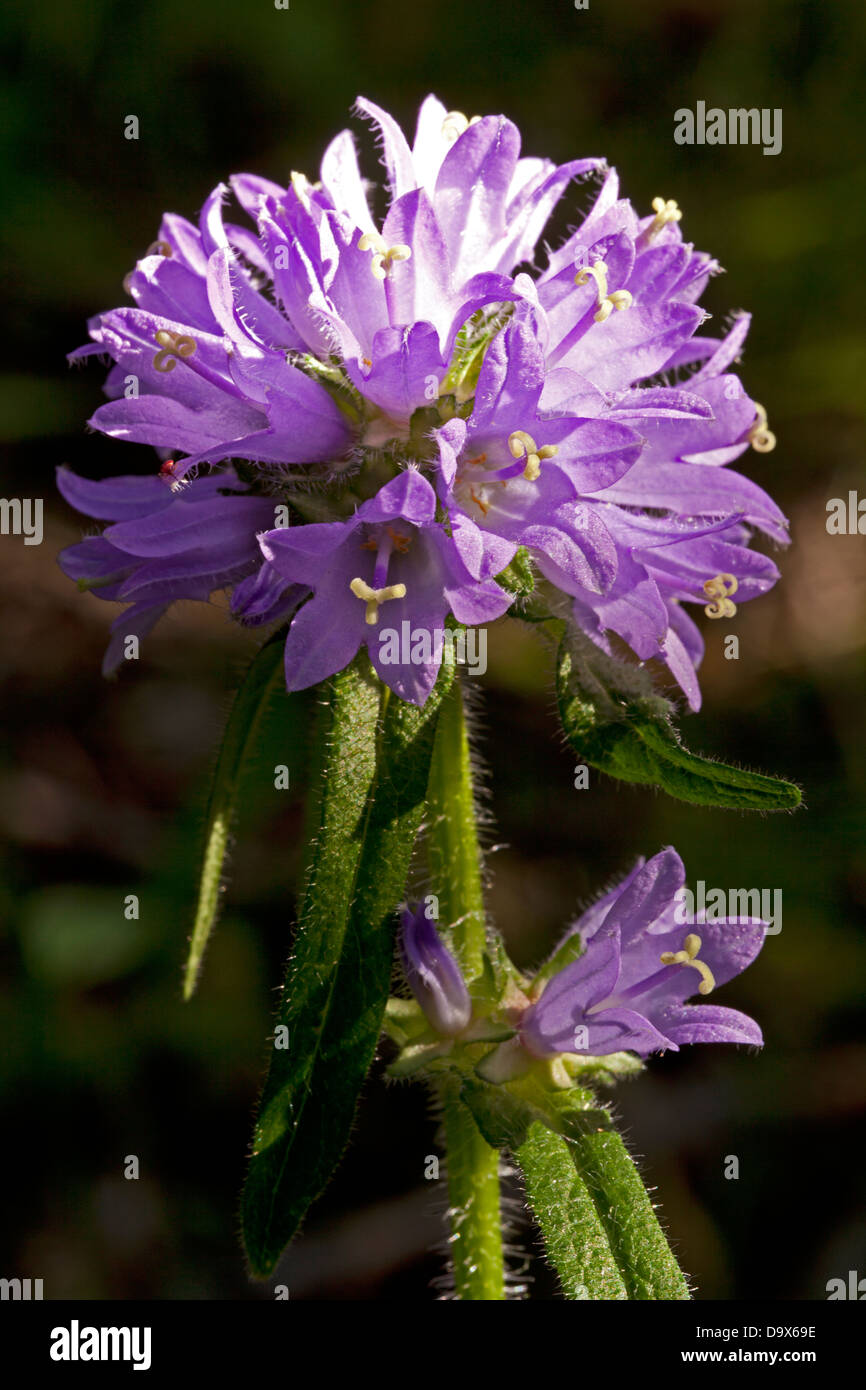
{"x":165,"y":543}
{"x":433,"y":974}
{"x":489,"y":204}
{"x":526,"y":475}
{"x":392,"y":561}
{"x":218,"y":393}
{"x":616,"y":261}
{"x":628,"y":989}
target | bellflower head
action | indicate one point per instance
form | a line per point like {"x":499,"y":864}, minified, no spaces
{"x":421,"y":406}
{"x":433,"y":974}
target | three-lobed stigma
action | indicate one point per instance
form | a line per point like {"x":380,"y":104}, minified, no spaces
{"x":666,"y":210}
{"x":172,"y":346}
{"x":521,"y":444}
{"x":385,"y":257}
{"x":617,"y":299}
{"x":759,"y":436}
{"x":373,"y":597}
{"x":689,"y":956}
{"x":455,"y":123}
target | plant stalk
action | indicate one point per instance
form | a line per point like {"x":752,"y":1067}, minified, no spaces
{"x":455,"y":863}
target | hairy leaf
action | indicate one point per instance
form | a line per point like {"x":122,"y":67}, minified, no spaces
{"x":614,"y":722}
{"x":607,"y":1184}
{"x":375,"y":765}
{"x":639,"y":1245}
{"x":574,"y":1237}
{"x":261,"y":683}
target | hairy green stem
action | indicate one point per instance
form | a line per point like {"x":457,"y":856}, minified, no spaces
{"x":474,"y":1199}
{"x":455,"y":858}
{"x":455,"y":863}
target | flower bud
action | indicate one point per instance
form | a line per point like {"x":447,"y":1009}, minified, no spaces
{"x":433,"y":974}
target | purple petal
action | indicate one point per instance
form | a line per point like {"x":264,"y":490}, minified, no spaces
{"x":646,"y":895}
{"x":472,"y":192}
{"x":221,"y":525}
{"x":135,"y":621}
{"x":708,"y":1023}
{"x":317,"y":646}
{"x":433,"y":974}
{"x":114,"y":499}
{"x":548,"y":1026}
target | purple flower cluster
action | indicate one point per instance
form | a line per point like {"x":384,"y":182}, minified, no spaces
{"x":636,"y":967}
{"x":361,"y":424}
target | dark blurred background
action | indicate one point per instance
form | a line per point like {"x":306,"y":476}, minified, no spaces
{"x":102,"y":785}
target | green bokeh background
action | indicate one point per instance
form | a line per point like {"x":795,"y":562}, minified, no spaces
{"x":102,"y":784}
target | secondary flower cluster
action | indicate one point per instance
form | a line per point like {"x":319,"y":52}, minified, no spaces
{"x":618,"y":982}
{"x":362,"y":422}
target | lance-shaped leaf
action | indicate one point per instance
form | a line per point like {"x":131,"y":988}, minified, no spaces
{"x":574,"y":1238}
{"x":607,"y":1205}
{"x":614,"y":722}
{"x":375,"y":755}
{"x":648,"y":1266}
{"x":264,"y":678}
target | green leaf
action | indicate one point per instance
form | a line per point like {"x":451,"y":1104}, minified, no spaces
{"x":574,"y":1237}
{"x":614,"y":722}
{"x":513,"y":1116}
{"x":260,"y":684}
{"x":637,"y":1241}
{"x":504,"y":1114}
{"x":372,"y":798}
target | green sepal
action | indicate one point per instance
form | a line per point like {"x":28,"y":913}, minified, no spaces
{"x":404,"y":1020}
{"x":603,"y":1071}
{"x":518,"y":577}
{"x":471,"y":344}
{"x":418,"y":1057}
